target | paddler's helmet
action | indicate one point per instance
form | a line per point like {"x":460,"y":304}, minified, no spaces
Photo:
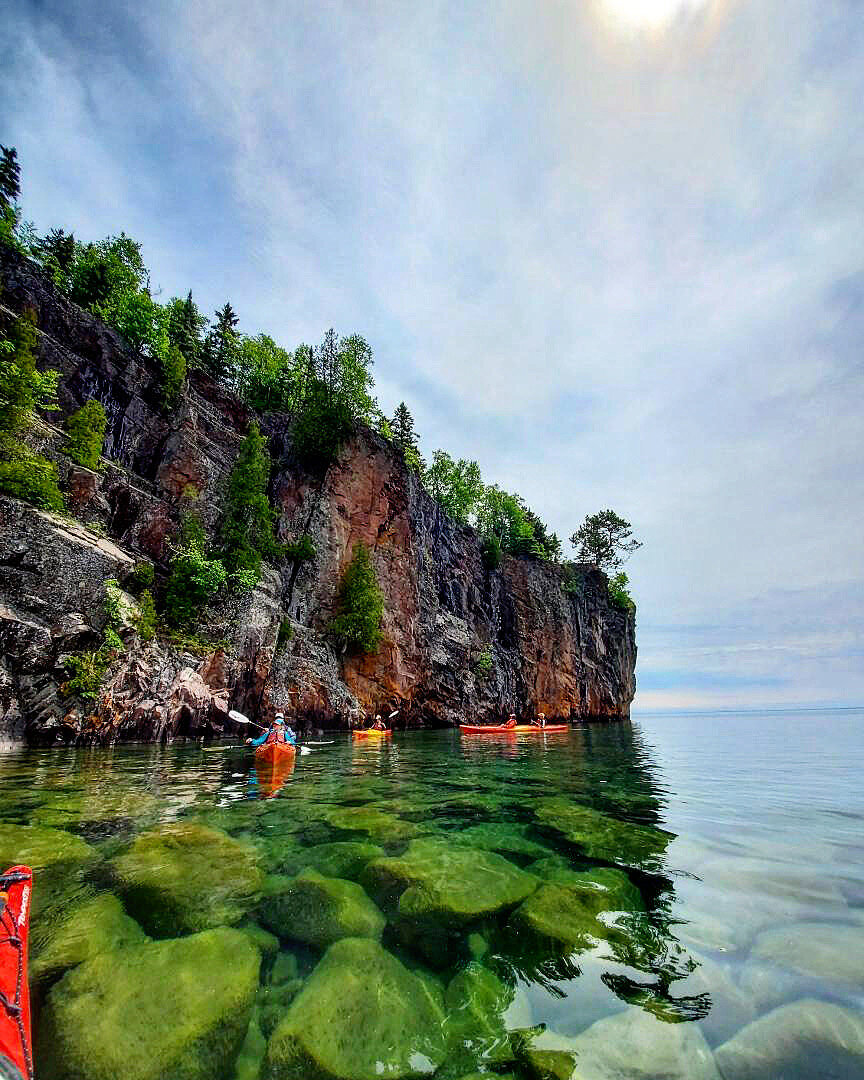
{"x":280,"y":718}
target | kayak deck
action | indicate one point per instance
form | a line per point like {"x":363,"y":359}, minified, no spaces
{"x":15,"y":893}
{"x":362,"y":732}
{"x":517,"y":729}
{"x":275,"y":752}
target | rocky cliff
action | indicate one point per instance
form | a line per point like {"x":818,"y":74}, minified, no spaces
{"x":570,"y":653}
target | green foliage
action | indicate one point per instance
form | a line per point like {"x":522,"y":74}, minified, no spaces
{"x":266,"y":377}
{"x":221,"y":348}
{"x":483,"y":662}
{"x":141,"y":578}
{"x":619,"y":593}
{"x":23,"y":389}
{"x":86,"y":431}
{"x":194,"y":579}
{"x":574,"y":581}
{"x":286,"y":632}
{"x":242,"y":581}
{"x":491,"y":552}
{"x":113,"y":605}
{"x":605,"y":540}
{"x":457,"y":485}
{"x":146,"y":621}
{"x":357,"y":626}
{"x":56,"y":253}
{"x":505,"y":518}
{"x":322,"y":427}
{"x":184,"y":325}
{"x":302,"y":550}
{"x":112,"y":640}
{"x":173,"y":375}
{"x":10,"y":189}
{"x":404,"y":436}
{"x":29,"y":476}
{"x":86,"y":671}
{"x":247,"y":531}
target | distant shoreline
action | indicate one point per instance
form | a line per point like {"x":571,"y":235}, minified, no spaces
{"x":747,"y":709}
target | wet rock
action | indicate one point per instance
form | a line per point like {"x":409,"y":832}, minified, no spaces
{"x":185,"y":877}
{"x":40,"y":848}
{"x":96,"y":926}
{"x":360,"y":1016}
{"x":343,"y":859}
{"x":476,"y":1002}
{"x":634,"y":1045}
{"x":801,"y":1041}
{"x":265,"y":942}
{"x":176,"y":1009}
{"x":506,"y":838}
{"x":603,"y":837}
{"x":378,"y":825}
{"x":728,"y":1007}
{"x":251,"y":1056}
{"x":825,"y":950}
{"x":319,"y":910}
{"x":447,"y":883}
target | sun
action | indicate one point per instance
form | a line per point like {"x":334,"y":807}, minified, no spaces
{"x":652,"y":14}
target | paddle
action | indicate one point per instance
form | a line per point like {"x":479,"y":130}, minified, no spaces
{"x":239,"y":718}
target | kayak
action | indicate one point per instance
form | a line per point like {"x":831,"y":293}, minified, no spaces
{"x":15,"y":1048}
{"x":375,"y":733}
{"x":275,"y":752}
{"x":517,"y":729}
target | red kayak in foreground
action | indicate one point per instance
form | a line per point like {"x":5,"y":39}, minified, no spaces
{"x":515,"y":729}
{"x":275,"y":752}
{"x":16,"y":887}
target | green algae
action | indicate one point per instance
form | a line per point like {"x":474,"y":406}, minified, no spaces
{"x":342,"y":859}
{"x":361,"y":1015}
{"x":504,"y":837}
{"x":476,"y":1001}
{"x":185,"y":877}
{"x":602,"y":837}
{"x":379,"y":825}
{"x":165,"y":1010}
{"x":319,"y":910}
{"x":41,"y":847}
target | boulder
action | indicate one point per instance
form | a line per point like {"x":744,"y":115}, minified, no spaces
{"x":476,"y":1002}
{"x":448,"y":883}
{"x":251,"y":1056}
{"x":827,"y":951}
{"x":185,"y":877}
{"x":343,"y":859}
{"x":97,"y":926}
{"x":508,"y":838}
{"x":801,"y":1041}
{"x":602,"y":837}
{"x":319,"y":910}
{"x":378,"y":825}
{"x":40,"y":848}
{"x":177,"y":1009}
{"x":361,"y":1015}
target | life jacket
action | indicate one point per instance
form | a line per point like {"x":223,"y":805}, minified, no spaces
{"x":276,"y":735}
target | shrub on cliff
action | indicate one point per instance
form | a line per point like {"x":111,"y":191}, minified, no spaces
{"x":619,"y":593}
{"x":605,"y":540}
{"x":357,"y":626}
{"x":146,"y":622}
{"x":86,"y":431}
{"x":29,"y":476}
{"x":173,"y":375}
{"x":194,"y":578}
{"x":247,"y":531}
{"x":23,"y":389}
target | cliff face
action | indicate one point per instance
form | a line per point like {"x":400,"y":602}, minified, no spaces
{"x":570,"y":655}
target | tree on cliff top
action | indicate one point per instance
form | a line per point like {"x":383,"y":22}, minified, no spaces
{"x":219,"y":355}
{"x":247,"y":532}
{"x":457,"y":485}
{"x":357,"y":627}
{"x":605,"y":540}
{"x":404,"y":436}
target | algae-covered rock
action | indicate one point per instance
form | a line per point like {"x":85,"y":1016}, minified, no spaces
{"x":251,"y":1056}
{"x":559,"y":913}
{"x":96,"y":926}
{"x":603,"y":837}
{"x":802,"y":1041}
{"x":266,"y":943}
{"x":378,"y":825}
{"x":602,"y":889}
{"x":319,"y":910}
{"x":174,"y":1009}
{"x":343,"y":859}
{"x":185,"y":877}
{"x":40,"y":847}
{"x":447,"y":882}
{"x":476,"y":1002}
{"x":361,"y":1015}
{"x":504,"y":837}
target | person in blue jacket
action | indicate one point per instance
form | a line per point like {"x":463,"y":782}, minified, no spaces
{"x":278,"y":732}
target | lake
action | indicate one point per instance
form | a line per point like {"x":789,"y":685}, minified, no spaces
{"x":679,"y":896}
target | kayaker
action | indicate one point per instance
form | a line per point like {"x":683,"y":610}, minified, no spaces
{"x":278,"y":732}
{"x":540,"y":721}
{"x":511,"y":720}
{"x":379,"y":723}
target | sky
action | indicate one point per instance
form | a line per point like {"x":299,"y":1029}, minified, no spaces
{"x":610,"y":249}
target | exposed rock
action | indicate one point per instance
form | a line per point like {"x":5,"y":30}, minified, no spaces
{"x":797,"y":1042}
{"x":319,"y":910}
{"x":185,"y":877}
{"x":360,"y":1016}
{"x":143,"y":1013}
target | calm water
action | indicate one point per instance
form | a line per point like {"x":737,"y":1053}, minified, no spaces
{"x":728,"y":941}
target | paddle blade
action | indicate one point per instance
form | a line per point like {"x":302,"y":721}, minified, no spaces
{"x":238,"y":717}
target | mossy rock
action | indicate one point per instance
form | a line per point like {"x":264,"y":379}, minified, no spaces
{"x":447,"y":882}
{"x":319,"y":910}
{"x":603,"y":837}
{"x":476,"y":1001}
{"x":559,"y":914}
{"x":266,"y":943}
{"x":165,"y":1010}
{"x":185,"y":877}
{"x":602,"y":889}
{"x":378,"y":825}
{"x":251,"y":1056}
{"x":342,"y":859}
{"x":40,"y":847}
{"x":361,"y":1015}
{"x":504,"y":837}
{"x":96,"y":926}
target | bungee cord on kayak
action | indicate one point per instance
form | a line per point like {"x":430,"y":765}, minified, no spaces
{"x":16,"y":1061}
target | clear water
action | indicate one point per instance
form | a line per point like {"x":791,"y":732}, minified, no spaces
{"x":754,"y":897}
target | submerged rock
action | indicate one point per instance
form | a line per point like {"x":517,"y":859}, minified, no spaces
{"x":448,"y":883}
{"x":361,"y":1015}
{"x":40,"y":847}
{"x":185,"y":877}
{"x":603,"y":837}
{"x":477,"y":1001}
{"x":506,"y":837}
{"x":96,"y":926}
{"x":797,"y":1042}
{"x":825,"y":950}
{"x":343,"y":859}
{"x":251,"y":1056}
{"x":376,"y":824}
{"x":319,"y":910}
{"x":177,"y":1009}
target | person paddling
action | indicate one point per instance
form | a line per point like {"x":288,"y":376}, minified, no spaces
{"x":379,"y":723}
{"x":278,"y":732}
{"x":511,"y":720}
{"x":540,"y":721}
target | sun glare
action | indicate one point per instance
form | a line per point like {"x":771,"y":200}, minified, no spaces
{"x":650,"y":13}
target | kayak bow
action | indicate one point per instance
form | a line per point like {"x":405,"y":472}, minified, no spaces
{"x":16,"y":886}
{"x":272,"y":753}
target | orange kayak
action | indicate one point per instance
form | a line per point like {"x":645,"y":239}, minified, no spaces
{"x":275,"y":752}
{"x":516,"y":729}
{"x":373,"y":732}
{"x":16,"y":887}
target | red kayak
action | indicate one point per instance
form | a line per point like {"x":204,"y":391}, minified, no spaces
{"x":513,"y":729}
{"x":16,"y":887}
{"x":275,"y":752}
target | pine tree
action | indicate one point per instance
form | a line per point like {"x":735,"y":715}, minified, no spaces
{"x":247,"y":532}
{"x":404,"y":436}
{"x":10,"y":177}
{"x":357,"y":627}
{"x":58,"y":251}
{"x":185,"y":324}
{"x":222,"y":344}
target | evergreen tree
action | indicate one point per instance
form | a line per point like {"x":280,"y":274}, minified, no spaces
{"x":404,"y":436}
{"x":57,"y":252}
{"x":185,"y":324}
{"x":22,"y":388}
{"x":173,"y":366}
{"x":357,"y":627}
{"x":222,"y":344}
{"x":10,"y":177}
{"x":605,"y":540}
{"x":86,"y":431}
{"x":247,"y":532}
